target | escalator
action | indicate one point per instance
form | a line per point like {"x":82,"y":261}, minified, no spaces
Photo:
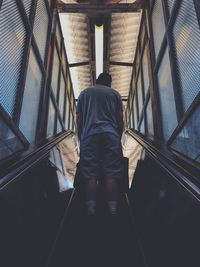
{"x":99,"y":241}
{"x":157,"y":225}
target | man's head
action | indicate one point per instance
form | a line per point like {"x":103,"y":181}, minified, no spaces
{"x":104,"y":79}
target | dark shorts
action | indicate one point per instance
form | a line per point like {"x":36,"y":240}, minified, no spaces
{"x":101,"y":155}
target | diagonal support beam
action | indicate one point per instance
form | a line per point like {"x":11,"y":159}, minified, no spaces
{"x":78,"y":64}
{"x":124,"y":64}
{"x":93,"y":9}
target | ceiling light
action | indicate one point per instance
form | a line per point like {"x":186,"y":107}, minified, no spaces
{"x":99,"y":49}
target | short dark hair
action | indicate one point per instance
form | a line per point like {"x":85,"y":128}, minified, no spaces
{"x":104,"y":79}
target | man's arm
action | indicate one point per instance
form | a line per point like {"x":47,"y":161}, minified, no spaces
{"x":120,"y":116}
{"x":79,"y":124}
{"x":120,"y":123}
{"x":79,"y":118}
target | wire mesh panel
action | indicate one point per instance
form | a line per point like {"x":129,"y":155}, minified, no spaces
{"x":31,"y":99}
{"x":12,"y":41}
{"x":187,"y":141}
{"x":171,"y":4}
{"x":27,"y":6}
{"x":158,"y":25}
{"x":51,"y":119}
{"x":166,"y":97}
{"x":186,"y":34}
{"x":40,"y":28}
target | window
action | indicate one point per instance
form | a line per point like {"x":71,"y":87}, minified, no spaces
{"x":187,"y":140}
{"x":166,"y":97}
{"x":51,"y":119}
{"x":31,"y":99}
{"x":186,"y":34}
{"x":158,"y":25}
{"x":12,"y":40}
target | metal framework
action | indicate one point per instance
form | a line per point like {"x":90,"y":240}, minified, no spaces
{"x":143,"y":99}
{"x":45,"y":64}
{"x":94,"y":8}
{"x":146,"y":47}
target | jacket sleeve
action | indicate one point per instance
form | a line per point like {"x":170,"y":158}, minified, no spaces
{"x":120,"y":116}
{"x":79,"y":117}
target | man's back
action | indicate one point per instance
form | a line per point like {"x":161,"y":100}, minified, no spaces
{"x":99,"y":107}
{"x":100,"y":125}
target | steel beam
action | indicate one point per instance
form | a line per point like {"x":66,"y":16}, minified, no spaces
{"x":72,"y":65}
{"x":123,"y":64}
{"x":93,"y":8}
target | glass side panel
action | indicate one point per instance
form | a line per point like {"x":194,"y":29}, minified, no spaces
{"x":142,"y":128}
{"x":59,"y":126}
{"x":58,"y":37}
{"x":51,"y":119}
{"x":62,"y":96}
{"x":170,"y":4}
{"x":12,"y":40}
{"x":140,"y":94}
{"x":187,"y":141}
{"x":166,"y":97}
{"x":57,"y":158}
{"x":64,"y":64}
{"x":186,"y":34}
{"x":71,"y":122}
{"x":40,"y":29}
{"x":149,"y":118}
{"x":9,"y":142}
{"x":67,"y":114}
{"x":54,"y":78}
{"x":31,"y":99}
{"x":131,"y":120}
{"x":158,"y":25}
{"x":135,"y":113}
{"x":145,"y":71}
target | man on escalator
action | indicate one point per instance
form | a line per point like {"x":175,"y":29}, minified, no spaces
{"x":100,"y":125}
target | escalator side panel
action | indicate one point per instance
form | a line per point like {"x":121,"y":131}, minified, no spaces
{"x":167,"y":218}
{"x":31,"y":209}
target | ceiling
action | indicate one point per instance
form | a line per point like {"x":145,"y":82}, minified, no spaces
{"x":121,"y":28}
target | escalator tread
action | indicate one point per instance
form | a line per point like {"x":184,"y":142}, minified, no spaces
{"x":102,"y":241}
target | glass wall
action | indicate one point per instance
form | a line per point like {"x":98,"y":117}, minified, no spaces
{"x":36,"y":94}
{"x":166,"y":89}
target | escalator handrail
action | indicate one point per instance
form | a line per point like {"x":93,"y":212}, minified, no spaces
{"x":31,"y":159}
{"x":184,"y":177}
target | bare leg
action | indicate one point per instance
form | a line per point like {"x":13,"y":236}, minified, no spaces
{"x":91,"y":195}
{"x":112,"y":194}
